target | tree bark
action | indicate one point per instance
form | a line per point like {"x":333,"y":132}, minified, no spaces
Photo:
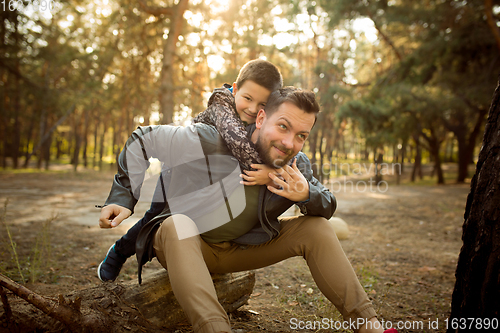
{"x":47,"y":135}
{"x":101,"y":143}
{"x":434,"y":146}
{"x":313,"y":140}
{"x":85,"y":137}
{"x":16,"y":105}
{"x":167,"y":84}
{"x":78,"y":142}
{"x":477,"y":288}
{"x":417,"y":166}
{"x":96,"y":132}
{"x":114,"y":307}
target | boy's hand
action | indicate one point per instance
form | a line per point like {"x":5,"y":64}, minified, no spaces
{"x":112,"y":215}
{"x":293,"y":185}
{"x":258,"y":177}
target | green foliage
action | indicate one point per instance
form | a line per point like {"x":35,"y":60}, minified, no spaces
{"x":431,"y":68}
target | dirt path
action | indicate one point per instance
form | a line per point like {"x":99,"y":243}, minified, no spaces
{"x":403,"y":244}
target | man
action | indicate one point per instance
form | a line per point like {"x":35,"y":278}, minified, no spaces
{"x":188,"y":244}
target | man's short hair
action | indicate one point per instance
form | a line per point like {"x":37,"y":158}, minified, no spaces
{"x":262,"y":72}
{"x":303,"y":99}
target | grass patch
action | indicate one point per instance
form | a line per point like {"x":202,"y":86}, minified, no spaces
{"x":30,"y":267}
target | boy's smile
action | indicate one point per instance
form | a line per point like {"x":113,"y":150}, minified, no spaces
{"x":249,"y":100}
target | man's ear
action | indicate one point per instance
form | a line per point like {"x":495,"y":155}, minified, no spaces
{"x":261,"y":117}
{"x":235,"y":88}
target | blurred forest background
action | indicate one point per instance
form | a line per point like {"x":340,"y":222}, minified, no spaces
{"x":409,"y":80}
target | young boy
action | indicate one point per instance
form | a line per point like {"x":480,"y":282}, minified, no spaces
{"x":256,"y":80}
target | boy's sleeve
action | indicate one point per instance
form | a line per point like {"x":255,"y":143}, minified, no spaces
{"x":221,"y":113}
{"x":133,"y":161}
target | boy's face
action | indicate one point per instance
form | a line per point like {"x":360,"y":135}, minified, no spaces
{"x":249,"y":100}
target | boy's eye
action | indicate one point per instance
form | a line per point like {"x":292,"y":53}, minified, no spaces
{"x":248,"y":98}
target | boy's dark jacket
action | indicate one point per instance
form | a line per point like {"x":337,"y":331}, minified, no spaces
{"x":191,"y":175}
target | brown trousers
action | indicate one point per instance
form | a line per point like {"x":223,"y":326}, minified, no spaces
{"x":191,"y":260}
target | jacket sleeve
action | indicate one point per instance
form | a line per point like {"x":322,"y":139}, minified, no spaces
{"x":321,"y":201}
{"x":172,"y":145}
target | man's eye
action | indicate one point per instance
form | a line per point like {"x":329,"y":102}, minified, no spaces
{"x":302,"y":137}
{"x":282,"y":126}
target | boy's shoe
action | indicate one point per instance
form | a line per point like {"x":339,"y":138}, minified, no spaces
{"x":110,"y":267}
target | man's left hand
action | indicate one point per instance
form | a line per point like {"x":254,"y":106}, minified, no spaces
{"x":293,"y":185}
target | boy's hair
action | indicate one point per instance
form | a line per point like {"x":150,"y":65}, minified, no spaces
{"x":303,"y":99}
{"x":262,"y":72}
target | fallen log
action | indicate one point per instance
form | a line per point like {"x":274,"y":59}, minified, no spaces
{"x":116,"y":307}
{"x":157,"y":303}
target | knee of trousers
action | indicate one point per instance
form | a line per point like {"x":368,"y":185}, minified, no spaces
{"x":177,"y":227}
{"x":317,"y":229}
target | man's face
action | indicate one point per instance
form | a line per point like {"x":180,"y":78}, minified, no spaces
{"x":281,"y":136}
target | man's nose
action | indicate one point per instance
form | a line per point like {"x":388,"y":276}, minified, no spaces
{"x":288,"y":141}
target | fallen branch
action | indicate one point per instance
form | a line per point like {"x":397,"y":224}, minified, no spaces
{"x":66,"y":312}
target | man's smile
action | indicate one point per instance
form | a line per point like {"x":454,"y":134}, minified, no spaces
{"x":282,"y":150}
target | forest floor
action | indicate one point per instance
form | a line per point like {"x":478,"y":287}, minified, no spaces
{"x":404,"y":243}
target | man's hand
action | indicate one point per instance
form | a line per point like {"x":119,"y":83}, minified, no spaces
{"x":113,"y":215}
{"x":258,"y":177}
{"x":294,"y":186}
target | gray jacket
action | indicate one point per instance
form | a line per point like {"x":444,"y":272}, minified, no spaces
{"x":199,"y":159}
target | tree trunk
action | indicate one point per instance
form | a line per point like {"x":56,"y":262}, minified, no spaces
{"x":29,"y":136}
{"x":167,"y":85}
{"x":16,"y":105}
{"x":43,"y":126}
{"x":434,"y":150}
{"x":16,"y":139}
{"x":313,"y":139}
{"x":466,"y":146}
{"x":378,"y":163}
{"x":3,"y":114}
{"x":78,"y":142}
{"x":321,"y":156}
{"x":477,"y":288}
{"x":45,"y":152}
{"x":434,"y":142}
{"x":101,"y":144}
{"x":96,"y":132}
{"x":114,"y":307}
{"x":417,"y":166}
{"x":85,"y":137}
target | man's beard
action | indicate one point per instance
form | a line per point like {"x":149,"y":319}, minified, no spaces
{"x":264,"y":151}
